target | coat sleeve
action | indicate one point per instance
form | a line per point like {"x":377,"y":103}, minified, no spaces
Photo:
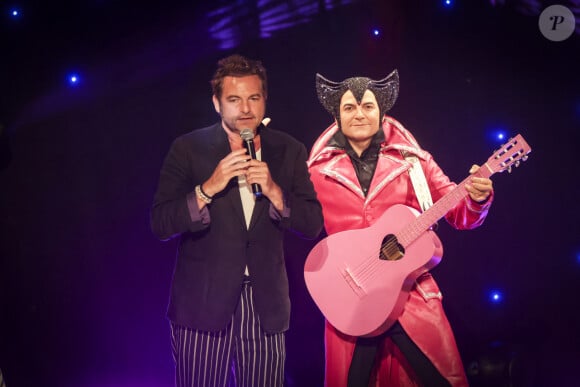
{"x":175,"y":208}
{"x":467,"y":214}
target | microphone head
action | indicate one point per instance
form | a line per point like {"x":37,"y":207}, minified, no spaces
{"x":247,"y":134}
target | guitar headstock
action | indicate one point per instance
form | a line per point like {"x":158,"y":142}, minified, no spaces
{"x":511,"y":154}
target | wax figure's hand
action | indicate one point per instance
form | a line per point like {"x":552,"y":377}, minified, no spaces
{"x":259,"y":173}
{"x":478,"y":188}
{"x":234,"y":164}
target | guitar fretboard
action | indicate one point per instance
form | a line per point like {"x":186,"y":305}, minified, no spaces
{"x":423,"y":222}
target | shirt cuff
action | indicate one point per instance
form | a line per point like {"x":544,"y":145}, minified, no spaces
{"x":277,"y":215}
{"x":195,"y":214}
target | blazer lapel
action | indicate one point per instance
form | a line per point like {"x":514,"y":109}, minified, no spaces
{"x":273,"y":154}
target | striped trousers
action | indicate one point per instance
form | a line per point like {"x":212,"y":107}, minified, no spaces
{"x":241,"y":355}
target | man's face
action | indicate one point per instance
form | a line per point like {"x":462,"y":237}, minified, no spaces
{"x":242,"y":104}
{"x":359,"y":123}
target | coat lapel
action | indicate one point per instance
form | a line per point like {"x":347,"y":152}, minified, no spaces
{"x":340,"y":169}
{"x":388,"y":168}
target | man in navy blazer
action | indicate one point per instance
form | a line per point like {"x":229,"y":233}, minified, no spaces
{"x":229,"y":300}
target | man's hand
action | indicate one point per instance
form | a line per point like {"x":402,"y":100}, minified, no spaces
{"x":259,"y":173}
{"x":478,"y":188}
{"x":234,"y":164}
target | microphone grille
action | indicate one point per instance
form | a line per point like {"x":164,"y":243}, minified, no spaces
{"x":247,"y":134}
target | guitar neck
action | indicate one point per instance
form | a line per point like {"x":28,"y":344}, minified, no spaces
{"x":510,"y":154}
{"x":423,"y":222}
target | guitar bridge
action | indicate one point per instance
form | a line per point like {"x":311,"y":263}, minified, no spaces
{"x":352,"y":282}
{"x":391,"y":249}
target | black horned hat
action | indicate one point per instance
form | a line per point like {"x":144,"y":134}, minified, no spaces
{"x":385,"y":90}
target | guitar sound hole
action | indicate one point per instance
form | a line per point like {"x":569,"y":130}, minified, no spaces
{"x":391,"y":249}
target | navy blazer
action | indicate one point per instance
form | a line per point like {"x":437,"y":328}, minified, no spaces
{"x":212,"y":257}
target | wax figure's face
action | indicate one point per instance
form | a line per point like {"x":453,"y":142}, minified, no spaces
{"x":242,"y":103}
{"x":359,"y":122}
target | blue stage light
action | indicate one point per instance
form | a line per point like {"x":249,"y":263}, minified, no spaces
{"x":73,"y":79}
{"x":376,"y":32}
{"x":15,"y":13}
{"x":448,"y":3}
{"x":495,"y":296}
{"x":498,"y":135}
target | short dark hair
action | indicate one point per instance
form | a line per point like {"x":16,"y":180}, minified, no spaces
{"x":237,"y":66}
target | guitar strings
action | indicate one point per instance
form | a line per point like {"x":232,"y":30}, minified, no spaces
{"x":370,"y":266}
{"x":367,"y":269}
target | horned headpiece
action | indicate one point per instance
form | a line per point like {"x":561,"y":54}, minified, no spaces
{"x":385,"y":90}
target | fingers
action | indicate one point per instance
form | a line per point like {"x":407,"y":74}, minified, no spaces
{"x":257,"y":172}
{"x":237,"y":156}
{"x":479,"y":188}
{"x":474,"y":168}
{"x":481,"y":184}
{"x":234,"y":164}
{"x":239,"y":163}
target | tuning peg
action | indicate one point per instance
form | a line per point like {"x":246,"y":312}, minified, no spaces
{"x":525,"y":158}
{"x":517,"y":163}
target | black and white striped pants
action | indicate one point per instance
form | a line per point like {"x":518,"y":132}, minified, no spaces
{"x":242,"y":355}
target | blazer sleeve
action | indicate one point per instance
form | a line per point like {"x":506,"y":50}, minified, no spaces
{"x":305,"y":215}
{"x":175,"y":209}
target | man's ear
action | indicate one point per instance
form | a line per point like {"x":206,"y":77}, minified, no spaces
{"x":216,"y":104}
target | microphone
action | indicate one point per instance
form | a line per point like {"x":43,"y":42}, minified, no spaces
{"x":248,"y":136}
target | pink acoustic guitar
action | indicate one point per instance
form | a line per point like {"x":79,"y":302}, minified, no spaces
{"x":360,"y":279}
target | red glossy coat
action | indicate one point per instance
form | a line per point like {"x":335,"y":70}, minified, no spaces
{"x":345,"y":208}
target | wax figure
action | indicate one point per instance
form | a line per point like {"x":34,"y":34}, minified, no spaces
{"x":363,"y":159}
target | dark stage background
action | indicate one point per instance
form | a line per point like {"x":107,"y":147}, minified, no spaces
{"x":83,"y":282}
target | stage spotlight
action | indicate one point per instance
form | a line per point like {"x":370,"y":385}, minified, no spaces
{"x":14,"y":13}
{"x":73,"y":79}
{"x":498,"y":135}
{"x":448,"y":3}
{"x":376,"y":32}
{"x":495,"y":296}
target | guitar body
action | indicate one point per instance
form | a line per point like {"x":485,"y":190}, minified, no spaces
{"x":359,"y":293}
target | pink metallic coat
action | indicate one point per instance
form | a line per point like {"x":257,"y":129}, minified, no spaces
{"x":346,"y":208}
